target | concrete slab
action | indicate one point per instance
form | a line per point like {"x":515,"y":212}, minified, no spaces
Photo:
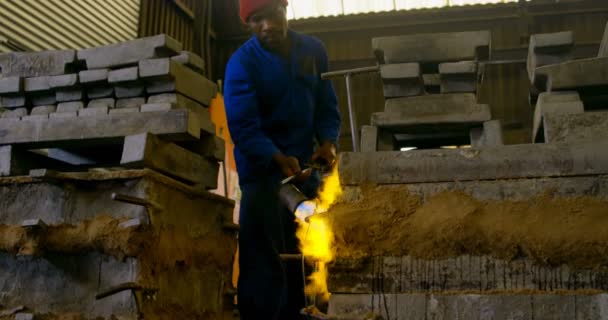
{"x":369,"y":138}
{"x":130,"y":102}
{"x":155,"y":107}
{"x":70,"y":106}
{"x":34,"y":64}
{"x":173,"y":125}
{"x":129,"y":52}
{"x":433,"y":47}
{"x":124,"y":110}
{"x":93,"y":112}
{"x":146,"y":150}
{"x":64,"y":115}
{"x":574,"y":128}
{"x":190,"y":60}
{"x":179,"y":101}
{"x":94,"y":76}
{"x":12,"y":101}
{"x":11,"y":85}
{"x":69,"y":94}
{"x":43,"y":110}
{"x":187,"y":82}
{"x":131,"y":90}
{"x":432,"y":109}
{"x":482,"y":274}
{"x":43,"y":99}
{"x":604,"y":44}
{"x":123,"y":75}
{"x":553,"y":103}
{"x":14,"y":113}
{"x":36,"y":84}
{"x":489,"y":135}
{"x":458,"y":77}
{"x":572,"y":74}
{"x":465,"y":306}
{"x":99,"y":92}
{"x":102,"y":103}
{"x":507,"y":162}
{"x":35,"y":117}
{"x":401,"y":80}
{"x":63,"y":81}
{"x":549,"y":48}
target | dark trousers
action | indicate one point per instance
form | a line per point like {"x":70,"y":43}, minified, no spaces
{"x":269,"y":288}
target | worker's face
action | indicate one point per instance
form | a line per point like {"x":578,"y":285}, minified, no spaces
{"x":270,"y":25}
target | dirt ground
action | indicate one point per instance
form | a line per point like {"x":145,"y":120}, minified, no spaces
{"x":551,"y":230}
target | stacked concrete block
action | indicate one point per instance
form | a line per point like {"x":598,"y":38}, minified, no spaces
{"x":548,"y":48}
{"x":430,"y":81}
{"x":64,"y":121}
{"x":570,"y":87}
{"x":564,"y":102}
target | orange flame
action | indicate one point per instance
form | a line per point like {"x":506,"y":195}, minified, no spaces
{"x":316,"y":237}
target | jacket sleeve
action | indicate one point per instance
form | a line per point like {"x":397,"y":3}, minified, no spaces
{"x":243,"y":116}
{"x":327,"y":115}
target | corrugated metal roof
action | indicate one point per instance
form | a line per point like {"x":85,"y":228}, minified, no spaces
{"x":34,"y":25}
{"x":302,"y":9}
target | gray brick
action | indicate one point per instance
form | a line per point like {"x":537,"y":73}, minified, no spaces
{"x":123,"y":75}
{"x":129,"y":52}
{"x":156,"y":107}
{"x":34,"y":64}
{"x":94,"y":76}
{"x":191,"y":60}
{"x":130,"y":102}
{"x":129,"y":90}
{"x":15,"y":113}
{"x":65,"y":114}
{"x":71,"y":94}
{"x":124,"y":110}
{"x":63,"y":81}
{"x":11,"y":85}
{"x":99,"y":92}
{"x":160,"y":86}
{"x":43,"y":99}
{"x":70,"y":106}
{"x":36,"y":117}
{"x":102,"y":103}
{"x":43,"y":110}
{"x":462,"y":67}
{"x":554,"y":307}
{"x":93,"y":112}
{"x":24,"y":316}
{"x":433,"y":47}
{"x":13,"y":101}
{"x":36,"y":84}
{"x":164,"y":98}
{"x":187,"y":82}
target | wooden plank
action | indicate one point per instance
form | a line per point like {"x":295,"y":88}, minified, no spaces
{"x":179,"y":125}
{"x":148,"y":151}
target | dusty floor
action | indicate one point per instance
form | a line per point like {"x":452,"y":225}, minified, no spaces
{"x":553,"y":231}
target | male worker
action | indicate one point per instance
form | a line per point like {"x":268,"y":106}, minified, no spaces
{"x":278,"y":110}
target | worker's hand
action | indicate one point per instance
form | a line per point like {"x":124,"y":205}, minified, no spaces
{"x":325,"y":155}
{"x":290,"y":166}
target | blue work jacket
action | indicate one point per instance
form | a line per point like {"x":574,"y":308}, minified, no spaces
{"x":276,"y":104}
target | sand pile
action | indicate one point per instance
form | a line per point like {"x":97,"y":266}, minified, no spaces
{"x":388,"y":220}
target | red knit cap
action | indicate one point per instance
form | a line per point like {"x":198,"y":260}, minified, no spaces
{"x":248,"y":7}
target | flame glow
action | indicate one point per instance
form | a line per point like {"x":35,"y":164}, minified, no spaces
{"x":316,"y":237}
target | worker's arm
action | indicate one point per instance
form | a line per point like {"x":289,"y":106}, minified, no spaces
{"x":327,"y":116}
{"x":244,"y":121}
